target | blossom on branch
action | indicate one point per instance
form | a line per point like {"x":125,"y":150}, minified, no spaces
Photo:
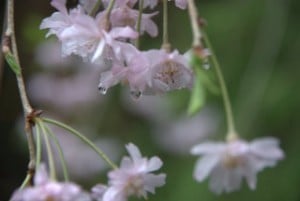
{"x":134,"y":177}
{"x":45,"y":189}
{"x":228,"y":163}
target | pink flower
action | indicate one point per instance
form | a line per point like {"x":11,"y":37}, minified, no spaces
{"x":182,"y":4}
{"x":46,"y":189}
{"x":169,"y":71}
{"x":150,"y":72}
{"x":150,"y":3}
{"x":125,"y":16}
{"x":228,"y":163}
{"x":81,"y":34}
{"x":134,"y":177}
{"x":120,"y":3}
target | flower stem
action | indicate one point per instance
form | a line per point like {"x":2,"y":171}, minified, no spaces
{"x":194,"y":22}
{"x":9,"y":44}
{"x":26,"y":181}
{"x":83,"y":138}
{"x":38,"y":146}
{"x":95,"y":8}
{"x":165,"y":45}
{"x":231,"y":133}
{"x":138,"y":26}
{"x":49,"y":151}
{"x":108,"y":12}
{"x":60,"y":152}
{"x":198,"y":35}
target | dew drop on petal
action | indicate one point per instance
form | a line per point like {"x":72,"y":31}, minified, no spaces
{"x":102,"y":89}
{"x":135,"y":94}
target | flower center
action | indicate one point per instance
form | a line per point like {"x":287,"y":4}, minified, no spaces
{"x":168,"y":73}
{"x":232,"y":161}
{"x":135,"y":186}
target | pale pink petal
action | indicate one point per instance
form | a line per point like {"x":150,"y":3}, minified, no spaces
{"x":204,"y":166}
{"x":134,"y":152}
{"x":114,"y":194}
{"x":181,"y":4}
{"x":41,"y":175}
{"x":267,"y":148}
{"x":152,"y":181}
{"x":208,"y":148}
{"x":125,"y":32}
{"x":59,"y":5}
{"x":154,"y":164}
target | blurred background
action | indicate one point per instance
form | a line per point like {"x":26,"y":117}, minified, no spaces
{"x":257,"y":43}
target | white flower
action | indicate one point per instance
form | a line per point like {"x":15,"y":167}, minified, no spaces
{"x":228,"y":163}
{"x":134,"y":177}
{"x":45,"y":190}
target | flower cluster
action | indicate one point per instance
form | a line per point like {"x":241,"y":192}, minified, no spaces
{"x":107,"y":39}
{"x":46,"y":189}
{"x":228,"y":163}
{"x":134,"y":177}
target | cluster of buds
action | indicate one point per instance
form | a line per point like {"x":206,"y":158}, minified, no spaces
{"x":108,"y":38}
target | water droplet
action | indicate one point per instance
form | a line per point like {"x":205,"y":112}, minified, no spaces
{"x":206,"y":65}
{"x":136,"y":94}
{"x":102,"y":89}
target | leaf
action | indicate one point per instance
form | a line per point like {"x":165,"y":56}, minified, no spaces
{"x":197,"y":99}
{"x":10,"y":59}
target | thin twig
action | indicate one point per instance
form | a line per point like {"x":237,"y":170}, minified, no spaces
{"x":165,"y":45}
{"x":139,"y":22}
{"x":9,"y":43}
{"x":197,"y":36}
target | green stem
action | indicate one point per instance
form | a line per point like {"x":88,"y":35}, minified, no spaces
{"x":109,"y":9}
{"x":138,"y":26}
{"x":38,"y":146}
{"x":26,"y":181}
{"x":231,"y":134}
{"x":95,"y":9}
{"x":49,"y":151}
{"x":83,"y":138}
{"x":166,"y":44}
{"x":60,"y":152}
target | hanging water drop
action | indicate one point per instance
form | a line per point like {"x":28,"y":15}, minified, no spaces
{"x":135,"y":94}
{"x":206,"y":65}
{"x":102,"y":89}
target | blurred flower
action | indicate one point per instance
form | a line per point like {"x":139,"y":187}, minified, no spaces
{"x":182,"y":4}
{"x":228,"y":163}
{"x":134,"y":177}
{"x":65,"y":93}
{"x":45,"y":189}
{"x":178,"y":136}
{"x":83,"y":163}
{"x":155,"y":109}
{"x":48,"y":55}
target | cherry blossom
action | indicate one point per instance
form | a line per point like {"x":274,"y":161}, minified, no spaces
{"x":46,"y":189}
{"x":228,"y":163}
{"x":134,"y":177}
